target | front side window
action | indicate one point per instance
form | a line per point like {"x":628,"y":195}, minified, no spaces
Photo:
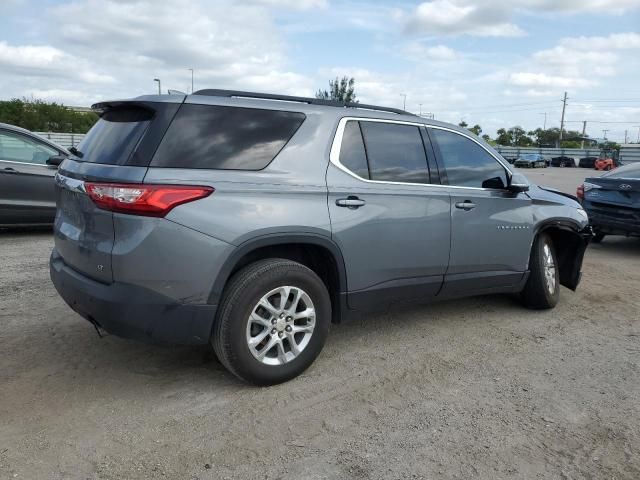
{"x":467,"y":164}
{"x":395,"y":152}
{"x":18,"y":148}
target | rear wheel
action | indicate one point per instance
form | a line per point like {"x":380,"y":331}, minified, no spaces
{"x":542,"y":289}
{"x":273,"y":321}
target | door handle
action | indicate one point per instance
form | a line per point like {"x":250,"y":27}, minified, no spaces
{"x":466,"y":205}
{"x":9,"y":171}
{"x":351,"y":202}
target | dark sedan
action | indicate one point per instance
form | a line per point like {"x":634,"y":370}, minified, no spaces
{"x":612,"y":202}
{"x":563,"y":161}
{"x":28,"y":164}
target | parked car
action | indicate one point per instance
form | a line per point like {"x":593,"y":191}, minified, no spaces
{"x":530,"y":160}
{"x":605,"y":164}
{"x":253,"y":221}
{"x":587,"y":162}
{"x":612,"y":202}
{"x":563,"y":161}
{"x":608,"y":160}
{"x":28,"y":164}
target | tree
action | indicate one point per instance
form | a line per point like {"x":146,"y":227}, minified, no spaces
{"x":463,"y":124}
{"x":487,"y":138}
{"x":340,"y":90}
{"x":515,"y":137}
{"x":476,"y":129}
{"x":37,"y":115}
{"x":503,"y":137}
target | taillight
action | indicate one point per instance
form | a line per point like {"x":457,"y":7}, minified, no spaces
{"x":580,"y":192}
{"x":141,"y":199}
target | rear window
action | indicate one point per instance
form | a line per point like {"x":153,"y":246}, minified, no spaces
{"x":228,"y":138}
{"x":114,"y":137}
{"x":628,"y":171}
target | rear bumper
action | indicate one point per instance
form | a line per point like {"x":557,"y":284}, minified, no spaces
{"x":132,"y":312}
{"x":612,"y":225}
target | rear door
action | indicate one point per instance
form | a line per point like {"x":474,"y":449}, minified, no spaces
{"x":392,"y":225}
{"x":117,"y":149}
{"x":491,"y":228}
{"x":26,"y":181}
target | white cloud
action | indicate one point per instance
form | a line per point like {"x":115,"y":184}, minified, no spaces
{"x":450,"y":17}
{"x":417,"y":51}
{"x":30,"y":56}
{"x":528,"y":79}
{"x":127,"y":44}
{"x":294,"y":4}
{"x":576,"y":62}
{"x":494,"y":18}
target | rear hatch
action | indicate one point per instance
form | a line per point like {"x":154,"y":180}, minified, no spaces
{"x":118,"y":149}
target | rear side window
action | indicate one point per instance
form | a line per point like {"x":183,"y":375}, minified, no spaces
{"x":468,"y":164}
{"x":352,"y":152}
{"x":395,"y":152}
{"x":114,"y":137}
{"x":228,"y":138}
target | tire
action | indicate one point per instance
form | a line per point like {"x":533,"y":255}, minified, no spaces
{"x":536,"y":293}
{"x":597,"y":238}
{"x":233,"y":327}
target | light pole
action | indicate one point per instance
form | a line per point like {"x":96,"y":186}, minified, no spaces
{"x":638,"y":127}
{"x":404,"y":103}
{"x":191,"y":69}
{"x":159,"y":88}
{"x":420,"y":109}
{"x":544,"y":127}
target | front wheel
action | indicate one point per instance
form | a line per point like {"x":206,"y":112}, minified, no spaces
{"x":273,"y":321}
{"x":542,"y":289}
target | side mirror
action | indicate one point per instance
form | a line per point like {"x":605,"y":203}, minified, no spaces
{"x":518,"y":187}
{"x":55,"y":160}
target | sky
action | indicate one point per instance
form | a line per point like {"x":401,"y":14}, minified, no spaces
{"x":493,"y":63}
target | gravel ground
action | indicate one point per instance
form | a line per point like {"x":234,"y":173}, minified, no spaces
{"x":476,"y":388}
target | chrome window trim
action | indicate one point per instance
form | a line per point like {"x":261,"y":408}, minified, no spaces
{"x":334,"y":155}
{"x":25,"y":163}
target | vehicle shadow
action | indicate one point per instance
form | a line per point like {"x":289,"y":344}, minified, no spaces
{"x":74,"y":350}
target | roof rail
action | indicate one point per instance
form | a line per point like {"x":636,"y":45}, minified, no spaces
{"x":213,"y":92}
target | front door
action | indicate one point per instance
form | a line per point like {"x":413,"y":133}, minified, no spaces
{"x":392,"y":226}
{"x":27,"y":194}
{"x":491,"y":228}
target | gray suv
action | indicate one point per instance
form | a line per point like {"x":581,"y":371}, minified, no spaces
{"x":252,"y":222}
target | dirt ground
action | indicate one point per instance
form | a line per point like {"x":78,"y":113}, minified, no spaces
{"x":476,"y":388}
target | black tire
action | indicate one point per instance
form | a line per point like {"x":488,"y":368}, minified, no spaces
{"x":242,"y":294}
{"x":535,"y":294}
{"x":597,"y":238}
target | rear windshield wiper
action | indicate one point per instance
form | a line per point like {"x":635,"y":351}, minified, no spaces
{"x":76,"y":152}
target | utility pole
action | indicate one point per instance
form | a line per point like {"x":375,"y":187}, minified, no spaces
{"x":605,"y":134}
{"x":420,"y":109}
{"x":564,"y":106}
{"x":584,"y":130}
{"x":191,"y":79}
{"x":625,"y":136}
{"x":544,"y":126}
{"x":638,"y":127}
{"x":404,"y":103}
{"x":159,"y":88}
